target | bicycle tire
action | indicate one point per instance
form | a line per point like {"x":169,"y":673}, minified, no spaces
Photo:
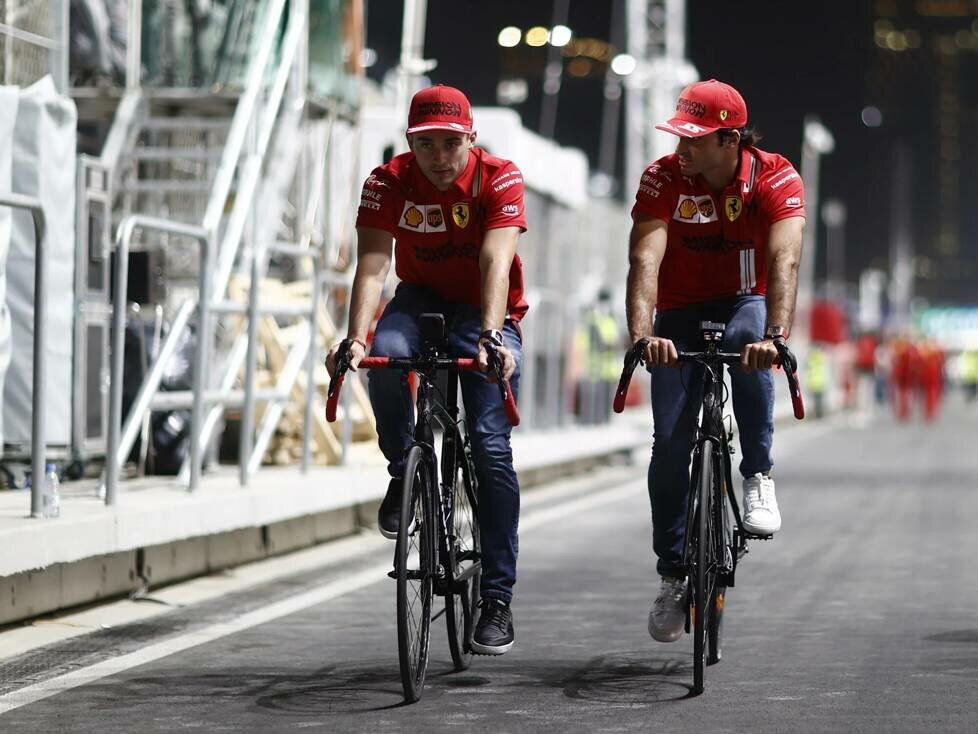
{"x":414,"y":569}
{"x":700,"y":576}
{"x":723,"y":543}
{"x":464,"y":554}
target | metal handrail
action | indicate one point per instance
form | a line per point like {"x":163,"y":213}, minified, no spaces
{"x":117,"y":450}
{"x":39,"y":387}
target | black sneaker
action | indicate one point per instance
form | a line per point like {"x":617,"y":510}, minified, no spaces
{"x":389,"y":514}
{"x":494,"y":633}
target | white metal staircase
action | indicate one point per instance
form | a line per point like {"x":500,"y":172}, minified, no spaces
{"x":220,"y":189}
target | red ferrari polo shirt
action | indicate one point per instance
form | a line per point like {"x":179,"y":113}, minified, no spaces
{"x":717,"y":245}
{"x":438,"y":234}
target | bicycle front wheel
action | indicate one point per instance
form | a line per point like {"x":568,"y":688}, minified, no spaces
{"x":723,"y":549}
{"x":465,"y":562}
{"x":414,"y":568}
{"x":701,"y":575}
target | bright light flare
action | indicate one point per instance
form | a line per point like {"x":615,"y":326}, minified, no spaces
{"x":623,"y":64}
{"x":537,"y":36}
{"x":560,"y":36}
{"x":509,"y":36}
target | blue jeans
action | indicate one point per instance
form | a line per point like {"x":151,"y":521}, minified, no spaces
{"x":676,"y":399}
{"x":397,"y":335}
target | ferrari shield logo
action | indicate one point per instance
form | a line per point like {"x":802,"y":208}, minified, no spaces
{"x":460,"y":213}
{"x":733,"y":206}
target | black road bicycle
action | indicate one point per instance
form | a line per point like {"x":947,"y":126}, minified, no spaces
{"x":715,"y":537}
{"x":438,"y":550}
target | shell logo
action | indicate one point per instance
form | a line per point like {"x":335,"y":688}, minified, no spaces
{"x":687,"y":209}
{"x":413,"y":217}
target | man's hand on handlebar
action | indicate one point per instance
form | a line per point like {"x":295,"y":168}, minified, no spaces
{"x":759,"y":355}
{"x":355,"y":354}
{"x":661,"y":351}
{"x":508,"y":361}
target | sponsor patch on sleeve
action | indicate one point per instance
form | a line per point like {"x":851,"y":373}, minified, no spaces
{"x":793,"y":202}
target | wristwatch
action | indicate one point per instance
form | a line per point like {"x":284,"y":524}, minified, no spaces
{"x":776,"y":332}
{"x":492,"y":335}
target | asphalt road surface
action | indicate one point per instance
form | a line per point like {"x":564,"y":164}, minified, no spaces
{"x":861,"y":615}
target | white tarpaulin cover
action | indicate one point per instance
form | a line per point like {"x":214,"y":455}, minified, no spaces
{"x":9,"y":97}
{"x":43,"y":166}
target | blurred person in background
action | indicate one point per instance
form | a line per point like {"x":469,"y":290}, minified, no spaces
{"x":969,"y":374}
{"x":904,"y":364}
{"x":450,"y":214}
{"x":716,"y":235}
{"x":817,"y":377}
{"x":931,"y":377}
{"x":598,"y":344}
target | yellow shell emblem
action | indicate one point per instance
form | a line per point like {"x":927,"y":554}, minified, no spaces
{"x":733,"y":206}
{"x":460,"y":213}
{"x":687,"y":209}
{"x":413,"y":217}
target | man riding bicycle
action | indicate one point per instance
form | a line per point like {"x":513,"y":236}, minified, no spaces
{"x":716,"y":236}
{"x":452,"y":214}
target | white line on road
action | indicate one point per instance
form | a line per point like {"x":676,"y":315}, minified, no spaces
{"x":291,"y":605}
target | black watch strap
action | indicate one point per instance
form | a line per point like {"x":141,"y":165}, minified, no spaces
{"x":492,"y":335}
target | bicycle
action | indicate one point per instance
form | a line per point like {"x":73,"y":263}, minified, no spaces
{"x":438,"y":551}
{"x":713,"y":545}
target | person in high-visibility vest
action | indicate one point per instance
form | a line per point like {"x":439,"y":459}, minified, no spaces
{"x":969,"y":373}
{"x":598,"y":344}
{"x":817,"y":377}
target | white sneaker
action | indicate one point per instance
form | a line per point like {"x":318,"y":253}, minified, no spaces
{"x":761,"y":515}
{"x":667,"y":618}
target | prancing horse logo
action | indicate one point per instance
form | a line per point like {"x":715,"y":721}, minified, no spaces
{"x":460,"y":213}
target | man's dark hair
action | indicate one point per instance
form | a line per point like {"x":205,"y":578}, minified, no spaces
{"x":748,"y":135}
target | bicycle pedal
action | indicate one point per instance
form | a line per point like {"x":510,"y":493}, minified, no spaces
{"x":392,"y":574}
{"x":751,"y":536}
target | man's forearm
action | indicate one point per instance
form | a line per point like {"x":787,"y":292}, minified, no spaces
{"x":640,"y":297}
{"x":495,"y":291}
{"x":782,"y":289}
{"x":367,"y":287}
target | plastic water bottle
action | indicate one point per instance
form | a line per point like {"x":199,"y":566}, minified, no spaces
{"x":50,"y":498}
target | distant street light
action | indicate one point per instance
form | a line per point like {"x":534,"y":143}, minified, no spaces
{"x":537,"y":36}
{"x":509,"y":37}
{"x":817,"y":141}
{"x":834,"y":216}
{"x":872,"y":117}
{"x":560,"y":36}
{"x":623,"y":64}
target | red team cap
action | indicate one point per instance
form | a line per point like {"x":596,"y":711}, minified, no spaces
{"x":706,"y":107}
{"x":440,"y":108}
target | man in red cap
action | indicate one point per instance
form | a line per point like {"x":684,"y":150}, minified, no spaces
{"x":451,"y":214}
{"x":716,"y":236}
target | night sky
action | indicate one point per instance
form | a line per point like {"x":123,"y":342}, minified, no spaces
{"x":788,"y":60}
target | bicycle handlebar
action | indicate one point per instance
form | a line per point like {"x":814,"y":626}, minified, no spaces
{"x":786,"y":359}
{"x":461,"y":364}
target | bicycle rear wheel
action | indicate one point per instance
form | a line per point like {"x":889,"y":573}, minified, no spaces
{"x":414,"y":568}
{"x":465,"y":561}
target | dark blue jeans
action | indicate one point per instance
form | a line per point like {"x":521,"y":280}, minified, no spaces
{"x":676,"y":400}
{"x":397,"y":335}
